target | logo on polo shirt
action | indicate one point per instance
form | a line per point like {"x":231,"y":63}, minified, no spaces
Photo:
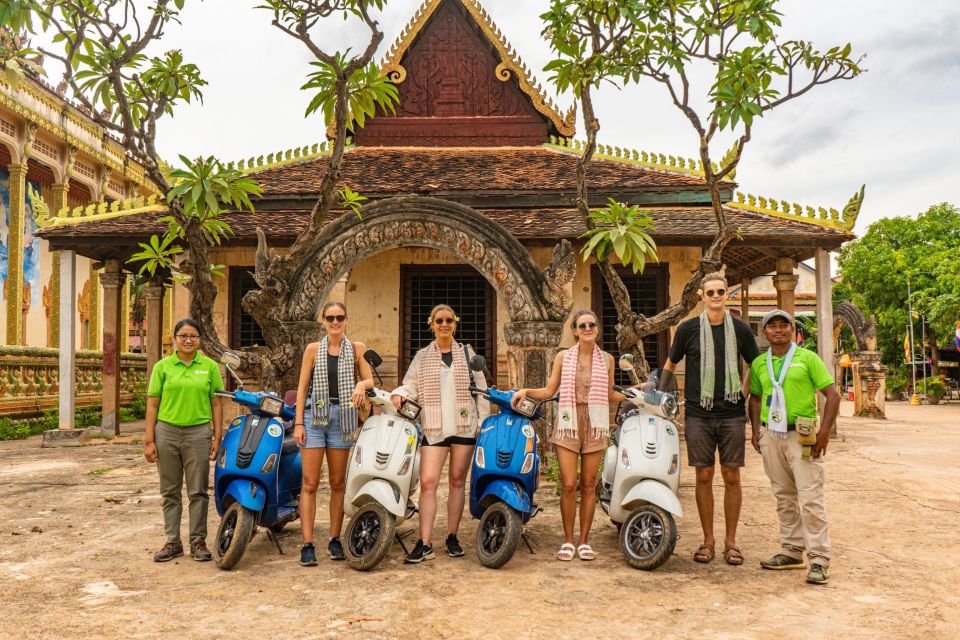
{"x":200,"y":372}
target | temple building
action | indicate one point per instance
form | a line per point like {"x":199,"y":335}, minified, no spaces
{"x":487,"y":165}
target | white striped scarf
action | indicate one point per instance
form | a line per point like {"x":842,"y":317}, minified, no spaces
{"x":598,"y":401}
{"x":320,"y":392}
{"x":428,"y":380}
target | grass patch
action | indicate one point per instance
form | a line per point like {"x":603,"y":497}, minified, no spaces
{"x":99,"y":473}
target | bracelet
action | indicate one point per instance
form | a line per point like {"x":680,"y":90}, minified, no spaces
{"x":299,"y":424}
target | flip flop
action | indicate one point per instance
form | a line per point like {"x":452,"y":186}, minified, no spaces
{"x":705,"y":554}
{"x":586,"y":552}
{"x":733,"y":556}
{"x":566,"y":552}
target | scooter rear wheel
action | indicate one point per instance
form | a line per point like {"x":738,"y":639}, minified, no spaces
{"x":648,"y":536}
{"x":236,"y":529}
{"x":369,"y":536}
{"x":498,"y":535}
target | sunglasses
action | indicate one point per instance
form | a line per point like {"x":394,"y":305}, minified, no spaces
{"x":583,"y":326}
{"x":444,"y":321}
{"x":186,"y":337}
{"x":719,"y":292}
{"x":335,"y":318}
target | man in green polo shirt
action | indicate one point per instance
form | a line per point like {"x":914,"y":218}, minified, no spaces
{"x":783,"y":385}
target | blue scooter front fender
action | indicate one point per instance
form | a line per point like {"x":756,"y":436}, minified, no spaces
{"x":248,"y":493}
{"x":507,"y":491}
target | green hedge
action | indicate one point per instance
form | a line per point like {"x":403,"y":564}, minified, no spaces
{"x":84,"y":418}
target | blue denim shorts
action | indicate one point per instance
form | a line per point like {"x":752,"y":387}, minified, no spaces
{"x":325,"y":437}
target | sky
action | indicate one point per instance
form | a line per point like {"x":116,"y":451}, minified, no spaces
{"x":896,"y":128}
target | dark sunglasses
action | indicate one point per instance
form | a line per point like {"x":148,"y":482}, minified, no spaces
{"x":335,"y":318}
{"x":444,"y":321}
{"x":718,"y":292}
{"x":587,"y":325}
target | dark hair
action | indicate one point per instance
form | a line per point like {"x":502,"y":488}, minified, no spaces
{"x":333,"y":303}
{"x":579,"y":314}
{"x":187,"y":322}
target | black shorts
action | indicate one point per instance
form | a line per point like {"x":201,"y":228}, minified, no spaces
{"x":446,"y":442}
{"x":705,"y":436}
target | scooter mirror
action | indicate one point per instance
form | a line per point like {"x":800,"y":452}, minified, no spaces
{"x":230,"y":360}
{"x":373,"y":358}
{"x":477,"y":363}
{"x":626,"y":362}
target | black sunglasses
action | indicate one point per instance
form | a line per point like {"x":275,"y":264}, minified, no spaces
{"x":444,"y":321}
{"x":719,"y":292}
{"x":587,"y":325}
{"x":335,"y":318}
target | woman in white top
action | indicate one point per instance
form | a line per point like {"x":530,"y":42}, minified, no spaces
{"x":439,"y":380}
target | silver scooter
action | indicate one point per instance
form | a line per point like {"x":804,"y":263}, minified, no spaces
{"x":382,"y":476}
{"x":641,"y":473}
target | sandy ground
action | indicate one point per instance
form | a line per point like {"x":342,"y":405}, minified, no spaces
{"x":78,"y":528}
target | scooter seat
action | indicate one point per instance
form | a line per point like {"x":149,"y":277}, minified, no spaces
{"x":289,"y":444}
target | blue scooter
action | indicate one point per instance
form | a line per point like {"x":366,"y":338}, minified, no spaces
{"x":257,"y":475}
{"x":504,"y":475}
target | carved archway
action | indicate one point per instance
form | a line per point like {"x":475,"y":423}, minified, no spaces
{"x":864,"y":331}
{"x":869,"y":374}
{"x":536,"y":301}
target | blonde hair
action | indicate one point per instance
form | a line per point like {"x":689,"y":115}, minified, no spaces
{"x":333,"y":303}
{"x":442,"y":307}
{"x":579,"y":314}
{"x":710,"y":277}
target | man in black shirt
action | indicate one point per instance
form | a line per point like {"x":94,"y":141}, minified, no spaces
{"x":713,"y":344}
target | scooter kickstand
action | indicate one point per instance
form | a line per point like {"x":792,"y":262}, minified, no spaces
{"x":274,"y":539}
{"x":526,"y":541}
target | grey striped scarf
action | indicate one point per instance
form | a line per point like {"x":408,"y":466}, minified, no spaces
{"x":708,"y":365}
{"x":320,"y":392}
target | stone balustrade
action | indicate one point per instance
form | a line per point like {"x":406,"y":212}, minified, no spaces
{"x":29,"y":382}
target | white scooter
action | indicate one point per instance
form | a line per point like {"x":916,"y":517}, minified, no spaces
{"x":382,"y":476}
{"x":641,"y":471}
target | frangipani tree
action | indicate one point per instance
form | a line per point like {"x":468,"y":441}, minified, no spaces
{"x":751,"y":70}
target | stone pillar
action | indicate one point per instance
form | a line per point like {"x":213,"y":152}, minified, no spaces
{"x":93,"y":309}
{"x":112,"y":288}
{"x":125,"y":314}
{"x":67,"y":434}
{"x":15,"y":227}
{"x":825,"y":342}
{"x":153,"y":295}
{"x":58,"y":200}
{"x":745,"y":300}
{"x":168,"y":321}
{"x":531,"y":348}
{"x":786,"y":284}
{"x":869,"y":384}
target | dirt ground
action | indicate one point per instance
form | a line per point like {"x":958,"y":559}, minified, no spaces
{"x":78,"y":528}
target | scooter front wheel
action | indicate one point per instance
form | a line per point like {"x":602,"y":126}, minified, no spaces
{"x":648,"y":536}
{"x":236,"y":529}
{"x":498,"y":535}
{"x":369,"y":536}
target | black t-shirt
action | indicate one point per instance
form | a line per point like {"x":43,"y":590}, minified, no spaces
{"x":686,"y":344}
{"x":333,"y":378}
{"x":447,"y":358}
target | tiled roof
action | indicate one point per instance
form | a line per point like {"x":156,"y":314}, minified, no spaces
{"x":392,"y":170}
{"x":674,"y":225}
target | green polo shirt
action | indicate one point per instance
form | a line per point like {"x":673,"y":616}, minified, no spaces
{"x":185,"y":390}
{"x":807,"y":374}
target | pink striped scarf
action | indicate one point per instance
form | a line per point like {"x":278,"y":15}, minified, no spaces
{"x":428,"y":379}
{"x":598,"y":402}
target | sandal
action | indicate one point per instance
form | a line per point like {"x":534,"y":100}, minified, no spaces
{"x":566,"y":552}
{"x":733,"y":556}
{"x":704,"y":554}
{"x":586,"y":552}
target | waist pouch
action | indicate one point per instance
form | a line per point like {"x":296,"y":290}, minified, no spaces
{"x":807,"y":429}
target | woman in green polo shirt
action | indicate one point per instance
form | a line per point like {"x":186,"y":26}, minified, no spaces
{"x":181,"y":404}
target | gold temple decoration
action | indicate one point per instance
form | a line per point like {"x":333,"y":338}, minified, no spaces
{"x":844,"y":220}
{"x":510,"y":64}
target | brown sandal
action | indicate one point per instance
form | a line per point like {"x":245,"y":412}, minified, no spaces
{"x":704,"y":554}
{"x":733,"y":556}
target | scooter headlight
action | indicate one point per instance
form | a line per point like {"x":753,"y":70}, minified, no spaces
{"x":527,"y":407}
{"x":669,"y":407}
{"x":271,"y":405}
{"x":410,"y":410}
{"x":480,"y":461}
{"x":527,"y":464}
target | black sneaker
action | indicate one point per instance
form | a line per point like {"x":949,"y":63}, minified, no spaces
{"x":308,"y":555}
{"x":335,"y":549}
{"x":420,"y":553}
{"x":170,"y":551}
{"x":453,"y":546}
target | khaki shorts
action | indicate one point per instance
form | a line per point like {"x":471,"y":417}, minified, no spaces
{"x":706,"y":436}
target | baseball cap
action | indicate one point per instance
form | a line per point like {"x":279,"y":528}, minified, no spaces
{"x":776,"y":313}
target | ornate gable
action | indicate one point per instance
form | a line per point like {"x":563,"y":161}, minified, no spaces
{"x":461,"y":85}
